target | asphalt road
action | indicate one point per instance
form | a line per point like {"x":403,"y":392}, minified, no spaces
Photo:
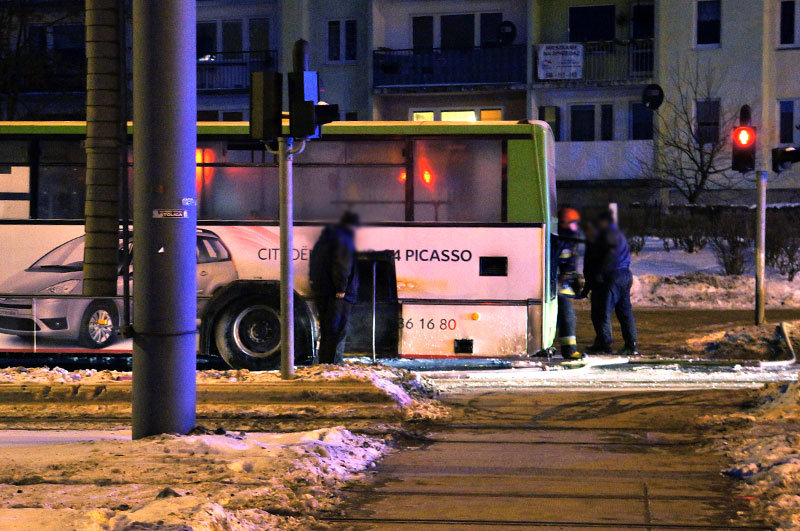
{"x":549,"y":460}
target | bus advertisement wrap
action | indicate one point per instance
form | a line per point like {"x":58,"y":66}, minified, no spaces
{"x":454,"y":282}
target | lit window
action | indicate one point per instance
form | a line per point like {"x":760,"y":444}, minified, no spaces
{"x":422,"y":116}
{"x":491,"y":115}
{"x":459,"y":116}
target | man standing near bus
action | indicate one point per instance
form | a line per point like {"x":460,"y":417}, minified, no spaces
{"x":608,"y":276}
{"x":333,"y":273}
{"x":565,"y":251}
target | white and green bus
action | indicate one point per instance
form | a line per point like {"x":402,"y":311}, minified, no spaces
{"x":457,"y":221}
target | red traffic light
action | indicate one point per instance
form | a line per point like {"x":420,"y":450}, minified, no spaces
{"x":744,"y":136}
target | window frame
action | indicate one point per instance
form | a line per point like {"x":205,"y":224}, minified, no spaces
{"x":437,"y":111}
{"x":245,"y":20}
{"x":696,"y":16}
{"x":569,"y":15}
{"x":343,"y":25}
{"x":631,"y":105}
{"x":795,"y":44}
{"x":598,"y":120}
{"x":794,"y":102}
{"x":437,"y":25}
{"x":718,"y":101}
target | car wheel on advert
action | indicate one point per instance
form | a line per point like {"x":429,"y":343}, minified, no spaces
{"x":98,"y":325}
{"x":248,"y":334}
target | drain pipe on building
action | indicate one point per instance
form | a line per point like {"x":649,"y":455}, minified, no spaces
{"x":104,"y":149}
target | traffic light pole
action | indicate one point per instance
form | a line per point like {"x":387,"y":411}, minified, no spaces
{"x":165,"y":217}
{"x":761,"y":229}
{"x":285,"y":155}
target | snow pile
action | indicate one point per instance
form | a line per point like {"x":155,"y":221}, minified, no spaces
{"x":741,"y":343}
{"x":764,"y":444}
{"x":201,"y":482}
{"x":704,"y":290}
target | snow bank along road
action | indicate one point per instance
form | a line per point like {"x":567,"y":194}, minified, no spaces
{"x":547,"y":460}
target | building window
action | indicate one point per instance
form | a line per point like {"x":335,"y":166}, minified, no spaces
{"x":342,"y":40}
{"x":552,"y":115}
{"x":707,"y":116}
{"x":643,"y":21}
{"x":786,"y":122}
{"x":232,"y":116}
{"x":459,"y":116}
{"x":641,"y":122}
{"x":351,"y":116}
{"x":207,"y":116}
{"x":788,"y":23}
{"x":582,"y":123}
{"x":606,"y":122}
{"x":491,"y":115}
{"x":258,"y":33}
{"x":592,"y":23}
{"x":709,"y":22}
{"x":232,"y":45}
{"x":423,"y":116}
{"x":490,"y":29}
{"x":206,"y":38}
{"x":422,"y":34}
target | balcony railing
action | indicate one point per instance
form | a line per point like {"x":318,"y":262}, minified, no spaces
{"x":611,"y":62}
{"x":231,"y":70}
{"x":443,"y":67}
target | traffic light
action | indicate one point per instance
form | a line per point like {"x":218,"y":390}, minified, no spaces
{"x":744,"y":149}
{"x":266,"y":101}
{"x":783,"y":158}
{"x":305,"y":114}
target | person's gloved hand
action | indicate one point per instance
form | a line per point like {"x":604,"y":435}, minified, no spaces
{"x":584,"y":293}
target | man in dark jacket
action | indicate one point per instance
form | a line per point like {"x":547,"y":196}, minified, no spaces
{"x":565,"y":253}
{"x":606,"y":268}
{"x":333,"y":272}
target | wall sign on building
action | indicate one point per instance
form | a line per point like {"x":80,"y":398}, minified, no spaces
{"x":560,"y":61}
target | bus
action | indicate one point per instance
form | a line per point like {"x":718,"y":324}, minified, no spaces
{"x":454,"y":248}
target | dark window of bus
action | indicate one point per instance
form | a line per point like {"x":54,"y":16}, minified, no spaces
{"x":788,"y":21}
{"x":606,"y":122}
{"x":13,"y":153}
{"x":69,"y":42}
{"x":707,"y":116}
{"x":592,"y":23}
{"x":786,"y":124}
{"x":709,"y":22}
{"x":582,"y":123}
{"x":458,"y":180}
{"x":641,"y":122}
{"x":334,"y":40}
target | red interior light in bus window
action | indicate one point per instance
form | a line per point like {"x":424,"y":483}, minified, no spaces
{"x":402,"y":178}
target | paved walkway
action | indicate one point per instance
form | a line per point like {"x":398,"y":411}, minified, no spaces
{"x":549,"y":460}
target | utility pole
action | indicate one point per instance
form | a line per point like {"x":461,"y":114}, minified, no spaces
{"x":165,"y":217}
{"x":761,"y":230}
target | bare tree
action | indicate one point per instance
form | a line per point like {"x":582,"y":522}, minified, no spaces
{"x":24,"y":64}
{"x":690,"y":155}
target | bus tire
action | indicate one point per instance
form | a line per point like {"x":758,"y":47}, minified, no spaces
{"x":247,"y":333}
{"x":98,"y":325}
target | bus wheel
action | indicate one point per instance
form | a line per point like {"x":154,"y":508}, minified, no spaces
{"x":248,"y":334}
{"x":98,"y":324}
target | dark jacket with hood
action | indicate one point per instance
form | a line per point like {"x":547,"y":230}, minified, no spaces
{"x":333,"y":267}
{"x":607,"y":253}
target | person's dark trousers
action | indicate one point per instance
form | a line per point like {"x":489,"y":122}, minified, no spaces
{"x":334,"y":314}
{"x":566,"y":326}
{"x":614,"y":294}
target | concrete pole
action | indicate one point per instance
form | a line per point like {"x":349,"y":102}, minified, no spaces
{"x":104,"y":146}
{"x":165,"y":217}
{"x":761,"y":230}
{"x":287,"y":256}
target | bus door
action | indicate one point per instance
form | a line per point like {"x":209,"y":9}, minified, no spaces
{"x":377,"y":310}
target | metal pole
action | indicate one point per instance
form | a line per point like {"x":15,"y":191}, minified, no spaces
{"x":761,"y":229}
{"x":374,"y":297}
{"x":287,"y":252}
{"x":165,"y":217}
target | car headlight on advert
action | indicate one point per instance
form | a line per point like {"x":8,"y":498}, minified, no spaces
{"x":62,"y":288}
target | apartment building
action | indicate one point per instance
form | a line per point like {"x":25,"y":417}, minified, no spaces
{"x":580,"y":65}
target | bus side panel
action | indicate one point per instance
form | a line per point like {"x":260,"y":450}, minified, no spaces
{"x":432,"y":330}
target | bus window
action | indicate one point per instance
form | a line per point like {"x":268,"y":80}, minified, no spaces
{"x":62,"y":192}
{"x":13,"y":153}
{"x":458,"y":180}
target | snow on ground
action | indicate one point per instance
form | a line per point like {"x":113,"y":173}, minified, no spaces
{"x":694,"y":280}
{"x":235,"y":481}
{"x":764,"y":444}
{"x":412,"y":393}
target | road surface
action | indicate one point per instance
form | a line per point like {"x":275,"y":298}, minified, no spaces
{"x":549,"y":460}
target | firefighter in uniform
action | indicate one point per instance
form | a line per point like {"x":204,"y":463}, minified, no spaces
{"x":565,"y":251}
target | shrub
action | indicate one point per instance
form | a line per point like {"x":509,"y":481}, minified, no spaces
{"x":730,"y":238}
{"x":783,"y":241}
{"x":637,"y":223}
{"x":685,"y":230}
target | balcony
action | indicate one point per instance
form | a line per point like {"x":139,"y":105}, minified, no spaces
{"x":607,"y":63}
{"x":230,"y":71}
{"x":435,"y":70}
